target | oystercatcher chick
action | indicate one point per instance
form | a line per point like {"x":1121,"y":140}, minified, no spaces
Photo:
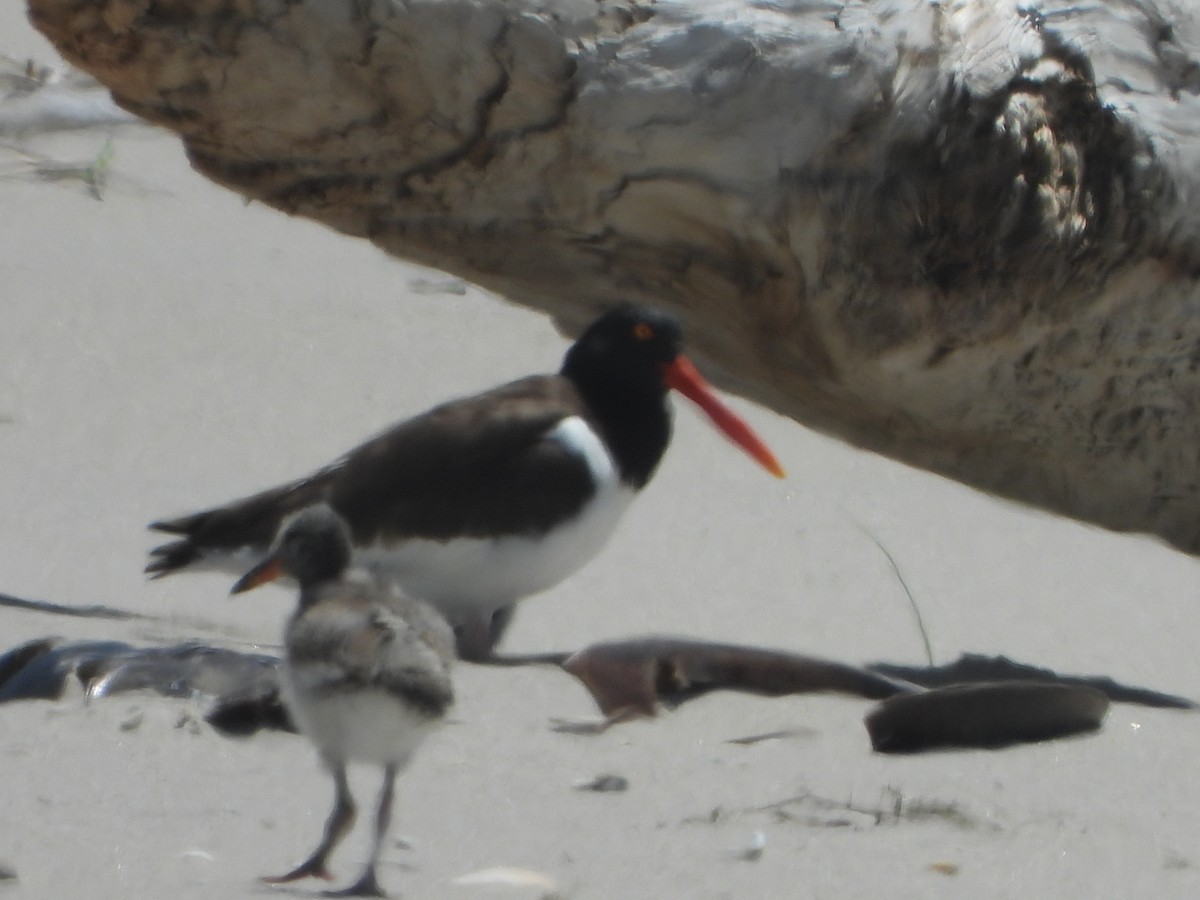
{"x":488,"y":499}
{"x":366,"y":674}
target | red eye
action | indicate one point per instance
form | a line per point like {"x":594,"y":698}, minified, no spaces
{"x":642,"y":331}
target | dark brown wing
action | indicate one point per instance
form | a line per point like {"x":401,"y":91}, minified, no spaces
{"x":474,"y":467}
{"x":470,"y":469}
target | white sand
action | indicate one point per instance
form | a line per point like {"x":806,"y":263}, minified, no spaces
{"x":170,"y":347}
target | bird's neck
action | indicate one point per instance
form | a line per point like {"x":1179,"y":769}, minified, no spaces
{"x":635,"y":425}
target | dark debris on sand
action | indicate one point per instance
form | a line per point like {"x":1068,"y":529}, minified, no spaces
{"x":977,"y":701}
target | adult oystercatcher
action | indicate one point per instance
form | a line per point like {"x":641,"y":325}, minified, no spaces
{"x":488,"y":499}
{"x":366,"y":673}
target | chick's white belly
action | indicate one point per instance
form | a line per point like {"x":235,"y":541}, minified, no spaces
{"x":363,"y":725}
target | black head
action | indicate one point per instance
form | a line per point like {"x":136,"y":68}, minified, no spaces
{"x":619,"y":366}
{"x":623,"y":366}
{"x":312,"y":546}
{"x":626,"y":349}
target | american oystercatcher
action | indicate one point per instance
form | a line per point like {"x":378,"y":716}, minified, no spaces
{"x":366,"y":674}
{"x":485,"y":500}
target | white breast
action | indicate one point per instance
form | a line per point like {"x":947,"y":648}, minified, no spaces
{"x":483,"y":574}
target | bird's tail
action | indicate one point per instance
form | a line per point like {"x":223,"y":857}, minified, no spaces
{"x":246,"y":524}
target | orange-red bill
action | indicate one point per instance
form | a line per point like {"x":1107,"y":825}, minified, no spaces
{"x":267,"y":570}
{"x":682,"y":376}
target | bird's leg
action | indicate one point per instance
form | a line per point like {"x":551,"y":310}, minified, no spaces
{"x":367,"y":885}
{"x":500,"y":620}
{"x":477,"y":634}
{"x":473,"y":637}
{"x":339,"y":822}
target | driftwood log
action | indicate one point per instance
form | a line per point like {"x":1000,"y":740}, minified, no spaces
{"x":960,"y":233}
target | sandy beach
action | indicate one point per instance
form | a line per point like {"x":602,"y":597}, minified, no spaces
{"x":167,"y":346}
